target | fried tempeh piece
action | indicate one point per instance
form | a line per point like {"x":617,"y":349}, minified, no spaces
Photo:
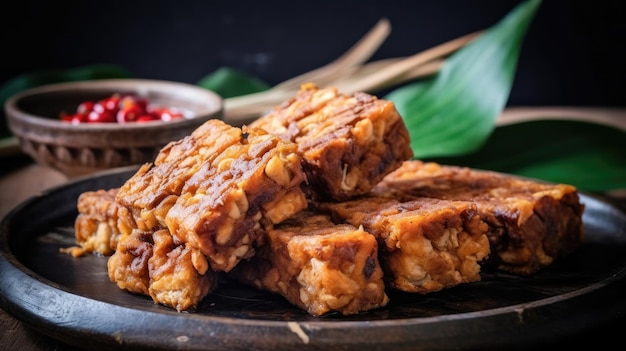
{"x":147,"y":263}
{"x":348,"y":142}
{"x":318,"y":266}
{"x":150,"y":193}
{"x":100,"y":222}
{"x":426,"y":244}
{"x":213,"y":189}
{"x":531,"y":223}
{"x":179,"y":274}
{"x":128,"y":266}
{"x":151,"y":263}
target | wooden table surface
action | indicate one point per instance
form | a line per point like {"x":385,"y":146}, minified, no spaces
{"x":20,"y":178}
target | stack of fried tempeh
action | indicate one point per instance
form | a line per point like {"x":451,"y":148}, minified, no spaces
{"x":318,"y":201}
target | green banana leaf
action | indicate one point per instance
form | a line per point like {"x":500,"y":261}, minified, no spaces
{"x":454,"y":112}
{"x":228,"y":82}
{"x":451,"y":118}
{"x":590,"y":156}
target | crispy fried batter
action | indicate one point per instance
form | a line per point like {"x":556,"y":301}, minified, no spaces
{"x":150,"y":193}
{"x":531,"y":223}
{"x":318,"y":266}
{"x":150,"y":263}
{"x":98,"y":225}
{"x":213,"y":189}
{"x":142,"y":262}
{"x":347,"y":142}
{"x":128,"y":266}
{"x":179,"y":274}
{"x":234,"y":200}
{"x":425,"y":244}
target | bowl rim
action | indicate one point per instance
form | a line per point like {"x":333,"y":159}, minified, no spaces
{"x":214,"y":102}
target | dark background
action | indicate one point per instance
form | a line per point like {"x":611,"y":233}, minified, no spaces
{"x":574,"y":52}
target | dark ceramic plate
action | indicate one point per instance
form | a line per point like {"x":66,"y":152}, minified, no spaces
{"x":72,"y":299}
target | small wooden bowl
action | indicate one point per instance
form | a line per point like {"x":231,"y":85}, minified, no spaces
{"x":80,"y":149}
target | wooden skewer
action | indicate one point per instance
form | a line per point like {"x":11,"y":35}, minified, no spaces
{"x":613,"y":117}
{"x":417,"y":72}
{"x":247,"y":113}
{"x":372,"y":82}
{"x":241,"y":109}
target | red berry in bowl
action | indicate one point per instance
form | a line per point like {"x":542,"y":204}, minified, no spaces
{"x":98,"y":107}
{"x":120,"y":108}
{"x":166,"y":114}
{"x":132,"y":100}
{"x":112,"y":102}
{"x":146,"y":118}
{"x":105,"y":116}
{"x":85,"y":107}
{"x":130,"y":113}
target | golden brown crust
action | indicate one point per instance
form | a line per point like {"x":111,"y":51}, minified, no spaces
{"x":128,"y":266}
{"x":425,"y":244}
{"x":348,"y":142}
{"x":152,"y":264}
{"x":99,"y":224}
{"x":318,"y":266}
{"x":232,"y":200}
{"x":531,"y":223}
{"x":142,"y":262}
{"x":179,"y":274}
{"x":213,"y":189}
{"x":150,"y":192}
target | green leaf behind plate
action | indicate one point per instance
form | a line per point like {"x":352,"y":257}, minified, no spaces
{"x":590,"y":156}
{"x":454,"y":112}
{"x":228,"y":82}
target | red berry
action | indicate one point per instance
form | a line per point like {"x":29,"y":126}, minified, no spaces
{"x":85,"y":107}
{"x":146,"y":118}
{"x":142,"y":103}
{"x":112,"y":102}
{"x":78,"y":119}
{"x":120,"y":108}
{"x":130,"y":113}
{"x":166,"y":114}
{"x":132,"y":100}
{"x":65,"y":116}
{"x":98,"y":107}
{"x":126,"y":101}
{"x":102,"y":117}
